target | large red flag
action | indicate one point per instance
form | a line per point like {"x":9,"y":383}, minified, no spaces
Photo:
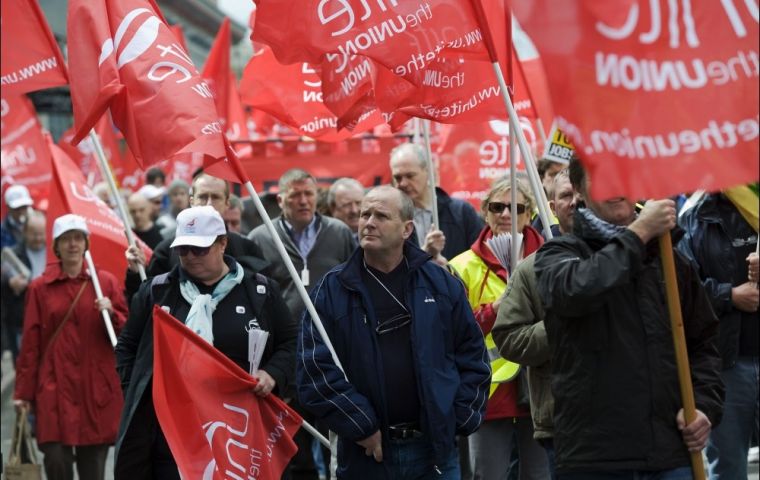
{"x":84,"y":153}
{"x":127,"y":59}
{"x":293,"y":95}
{"x":70,"y":194}
{"x":218,"y":74}
{"x":657,"y":99}
{"x":31,"y":59}
{"x":215,"y":426}
{"x":25,"y":156}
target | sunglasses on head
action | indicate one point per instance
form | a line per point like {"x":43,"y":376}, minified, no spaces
{"x":183,"y":250}
{"x":499,"y":207}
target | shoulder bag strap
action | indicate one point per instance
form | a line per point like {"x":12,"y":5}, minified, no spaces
{"x":65,"y":318}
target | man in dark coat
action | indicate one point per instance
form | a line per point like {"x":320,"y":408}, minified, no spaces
{"x":614,"y":378}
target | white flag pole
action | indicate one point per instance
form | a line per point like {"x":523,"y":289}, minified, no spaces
{"x":99,"y":295}
{"x":105,"y":171}
{"x":530,"y":166}
{"x":513,"y":195}
{"x":431,"y":172}
{"x":294,"y":275}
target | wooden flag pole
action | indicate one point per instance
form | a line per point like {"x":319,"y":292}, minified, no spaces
{"x":99,"y":295}
{"x":105,"y":171}
{"x":679,"y":343}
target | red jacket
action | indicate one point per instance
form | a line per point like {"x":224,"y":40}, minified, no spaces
{"x":73,"y":386}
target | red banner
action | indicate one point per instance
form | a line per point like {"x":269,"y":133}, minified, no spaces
{"x":127,"y":59}
{"x":31,"y":59}
{"x":472,"y":156}
{"x":657,"y":99}
{"x":25,"y":156}
{"x":215,"y":426}
{"x":70,"y":194}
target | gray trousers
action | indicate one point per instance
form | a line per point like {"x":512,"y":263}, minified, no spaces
{"x":491,"y":450}
{"x":59,"y":461}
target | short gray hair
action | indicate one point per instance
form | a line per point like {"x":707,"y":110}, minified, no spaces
{"x":235,"y":202}
{"x":406,"y":206}
{"x":294,"y":175}
{"x":410,"y":149}
{"x":343,"y":182}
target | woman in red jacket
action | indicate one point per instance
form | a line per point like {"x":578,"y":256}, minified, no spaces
{"x":66,"y":369}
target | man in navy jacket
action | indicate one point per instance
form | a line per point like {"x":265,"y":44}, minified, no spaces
{"x":416,"y":367}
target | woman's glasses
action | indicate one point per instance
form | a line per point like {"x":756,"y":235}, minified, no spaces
{"x":183,"y":250}
{"x":499,"y":207}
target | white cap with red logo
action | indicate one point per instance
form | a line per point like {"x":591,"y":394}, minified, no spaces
{"x":198,"y":227}
{"x":18,"y":196}
{"x":68,"y":222}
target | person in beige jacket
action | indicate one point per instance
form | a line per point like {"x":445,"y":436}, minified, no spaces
{"x":519,"y":331}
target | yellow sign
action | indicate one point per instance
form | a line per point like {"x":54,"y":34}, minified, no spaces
{"x":558,"y":147}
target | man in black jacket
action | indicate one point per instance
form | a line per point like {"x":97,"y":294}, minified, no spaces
{"x":614,"y":379}
{"x":215,"y":297}
{"x":721,"y":243}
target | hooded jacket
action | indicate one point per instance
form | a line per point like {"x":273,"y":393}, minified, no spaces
{"x":614,"y":376}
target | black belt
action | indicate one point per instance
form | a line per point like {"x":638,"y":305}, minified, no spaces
{"x":404,"y":431}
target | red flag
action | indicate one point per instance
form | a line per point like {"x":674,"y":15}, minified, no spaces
{"x":656,"y":100}
{"x":25,"y":156}
{"x":127,"y":59}
{"x":179,"y":34}
{"x":218,"y":74}
{"x":70,"y":194}
{"x":215,"y":426}
{"x":31,"y":59}
{"x":293,"y":94}
{"x":84,"y":153}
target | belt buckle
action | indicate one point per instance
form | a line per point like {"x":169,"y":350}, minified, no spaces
{"x":403,"y":432}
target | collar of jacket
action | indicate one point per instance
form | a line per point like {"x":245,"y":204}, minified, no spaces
{"x":54,"y":273}
{"x":708,"y":208}
{"x":351,"y":277}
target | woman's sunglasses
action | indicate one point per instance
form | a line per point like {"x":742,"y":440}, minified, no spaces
{"x":499,"y":207}
{"x":183,"y":250}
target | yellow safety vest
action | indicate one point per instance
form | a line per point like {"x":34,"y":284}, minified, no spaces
{"x":484,"y":287}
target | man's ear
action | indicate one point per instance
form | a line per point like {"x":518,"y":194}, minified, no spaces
{"x":551,"y":205}
{"x":408,"y":229}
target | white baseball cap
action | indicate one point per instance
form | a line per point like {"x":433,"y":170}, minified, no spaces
{"x":67,"y":223}
{"x":198,"y":227}
{"x":18,"y":196}
{"x":151,"y":192}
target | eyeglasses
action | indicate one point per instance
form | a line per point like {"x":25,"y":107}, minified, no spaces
{"x":499,"y":207}
{"x":183,"y":250}
{"x":394,"y":323}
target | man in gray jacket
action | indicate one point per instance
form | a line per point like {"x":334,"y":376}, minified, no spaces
{"x":519,"y":330}
{"x":315,"y":244}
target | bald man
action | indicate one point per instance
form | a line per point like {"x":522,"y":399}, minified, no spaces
{"x":140,"y":209}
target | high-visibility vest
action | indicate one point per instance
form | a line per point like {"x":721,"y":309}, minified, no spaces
{"x":484,"y":287}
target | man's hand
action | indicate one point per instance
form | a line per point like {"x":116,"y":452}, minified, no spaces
{"x":754,"y":268}
{"x":266,"y":383}
{"x":21,"y":405}
{"x":373,"y":446}
{"x":657,"y":217}
{"x":745,"y":297}
{"x":696,"y":433}
{"x":435,"y":241}
{"x":104,"y":304}
{"x":135,"y":258}
{"x":18,"y":284}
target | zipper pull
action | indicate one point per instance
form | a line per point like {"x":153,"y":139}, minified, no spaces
{"x":437,"y":470}
{"x":365,"y":319}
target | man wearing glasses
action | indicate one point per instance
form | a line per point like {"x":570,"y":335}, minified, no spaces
{"x":220,"y":301}
{"x":417,"y":371}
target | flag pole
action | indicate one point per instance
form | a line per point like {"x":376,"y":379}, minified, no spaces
{"x":679,"y":343}
{"x":315,"y":433}
{"x":431,"y":171}
{"x":530,"y":165}
{"x":99,"y":295}
{"x":105,"y":171}
{"x":513,"y":194}
{"x":292,"y":271}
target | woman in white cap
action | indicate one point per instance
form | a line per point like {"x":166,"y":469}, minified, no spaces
{"x":66,"y":370}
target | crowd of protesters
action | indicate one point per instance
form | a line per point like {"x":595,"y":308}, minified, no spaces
{"x":424,"y":317}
